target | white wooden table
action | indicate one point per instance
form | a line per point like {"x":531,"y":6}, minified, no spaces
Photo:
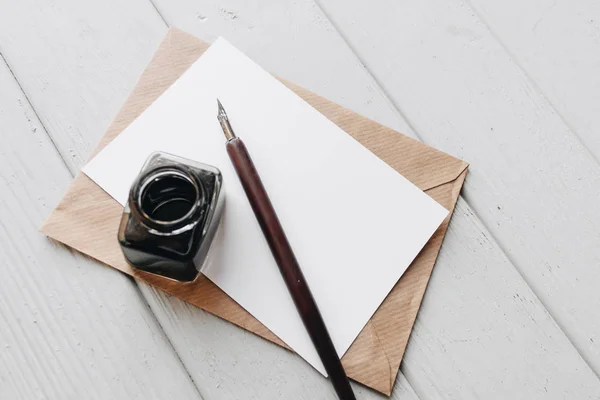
{"x":513,"y":87}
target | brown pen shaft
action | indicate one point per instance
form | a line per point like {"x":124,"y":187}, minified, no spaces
{"x":290,"y":270}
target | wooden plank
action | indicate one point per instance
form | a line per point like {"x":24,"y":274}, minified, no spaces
{"x":68,"y":329}
{"x":556,"y":43}
{"x":106,"y":75}
{"x":532,"y":182}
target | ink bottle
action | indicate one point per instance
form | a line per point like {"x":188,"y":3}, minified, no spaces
{"x":171,"y":216}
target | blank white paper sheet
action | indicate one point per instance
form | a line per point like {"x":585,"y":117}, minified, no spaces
{"x":354,"y":223}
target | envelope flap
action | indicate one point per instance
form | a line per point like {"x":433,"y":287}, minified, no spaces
{"x":424,"y":166}
{"x":368,"y":349}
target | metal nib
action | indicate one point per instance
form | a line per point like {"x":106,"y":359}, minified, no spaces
{"x":221,"y":115}
{"x":224,"y":121}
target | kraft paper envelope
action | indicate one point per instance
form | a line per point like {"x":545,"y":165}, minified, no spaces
{"x":87,"y":219}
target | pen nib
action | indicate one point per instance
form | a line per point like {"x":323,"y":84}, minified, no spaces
{"x":224,"y":121}
{"x":221,"y":114}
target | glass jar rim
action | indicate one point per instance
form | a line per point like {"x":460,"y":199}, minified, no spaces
{"x":139,"y":187}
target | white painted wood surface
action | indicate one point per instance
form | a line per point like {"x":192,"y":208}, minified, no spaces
{"x":557,"y":43}
{"x":482,"y":331}
{"x":69,"y":328}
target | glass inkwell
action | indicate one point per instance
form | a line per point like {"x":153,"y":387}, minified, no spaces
{"x":171,"y":216}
